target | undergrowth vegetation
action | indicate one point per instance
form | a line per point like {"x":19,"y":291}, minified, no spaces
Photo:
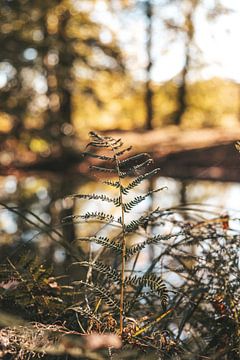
{"x":183,"y":302}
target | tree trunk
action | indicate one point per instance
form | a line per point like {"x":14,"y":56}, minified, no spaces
{"x":148,"y":87}
{"x":182,"y":89}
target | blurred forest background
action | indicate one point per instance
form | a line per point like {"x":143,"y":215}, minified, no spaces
{"x":70,"y":66}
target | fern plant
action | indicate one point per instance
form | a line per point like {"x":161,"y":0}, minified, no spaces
{"x":30,"y":289}
{"x":117,"y":169}
{"x":184,"y":304}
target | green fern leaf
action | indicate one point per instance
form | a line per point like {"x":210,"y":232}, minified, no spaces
{"x":104,"y":241}
{"x":142,"y":221}
{"x":102,"y":197}
{"x":135,"y":224}
{"x":139,"y":180}
{"x":151,"y":240}
{"x":107,"y":218}
{"x":101,"y":292}
{"x":138,"y":199}
{"x":112,"y":274}
{"x":153,"y":282}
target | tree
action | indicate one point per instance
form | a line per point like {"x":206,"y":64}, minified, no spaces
{"x":144,"y":10}
{"x":185,"y":31}
{"x":46,"y":48}
{"x":148,"y":89}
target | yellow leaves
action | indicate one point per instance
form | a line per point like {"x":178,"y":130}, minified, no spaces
{"x":52,"y":24}
{"x":6,"y":123}
{"x":33,"y":122}
{"x":211,"y":103}
{"x":39,"y":145}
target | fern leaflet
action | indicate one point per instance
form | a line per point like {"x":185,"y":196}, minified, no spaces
{"x":139,"y":180}
{"x":101,"y":292}
{"x":153,"y":282}
{"x":138,"y":199}
{"x":112,"y":274}
{"x":104,"y":241}
{"x":102,"y":197}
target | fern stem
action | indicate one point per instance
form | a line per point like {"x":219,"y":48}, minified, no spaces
{"x":123,"y":252}
{"x":123,"y":261}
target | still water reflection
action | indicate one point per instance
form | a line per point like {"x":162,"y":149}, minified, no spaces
{"x":38,"y":202}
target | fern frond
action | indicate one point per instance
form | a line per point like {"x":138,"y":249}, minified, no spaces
{"x":135,"y":249}
{"x":104,"y":141}
{"x":98,"y":156}
{"x":108,"y":218}
{"x":101,"y":292}
{"x":102,"y":197}
{"x":139,"y":180}
{"x":99,"y":140}
{"x":117,"y":144}
{"x":97,"y":144}
{"x":123,"y":151}
{"x":133,"y":161}
{"x":135,"y":224}
{"x":133,"y":170}
{"x":103,"y":169}
{"x":138,"y":199}
{"x":115,"y":184}
{"x":144,"y":164}
{"x":95,"y":136}
{"x":104,"y":241}
{"x":112,"y":274}
{"x":153,"y":282}
{"x":99,"y":216}
{"x":150,"y":241}
{"x":142,"y":221}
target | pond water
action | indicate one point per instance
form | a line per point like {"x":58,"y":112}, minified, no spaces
{"x":40,"y":200}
